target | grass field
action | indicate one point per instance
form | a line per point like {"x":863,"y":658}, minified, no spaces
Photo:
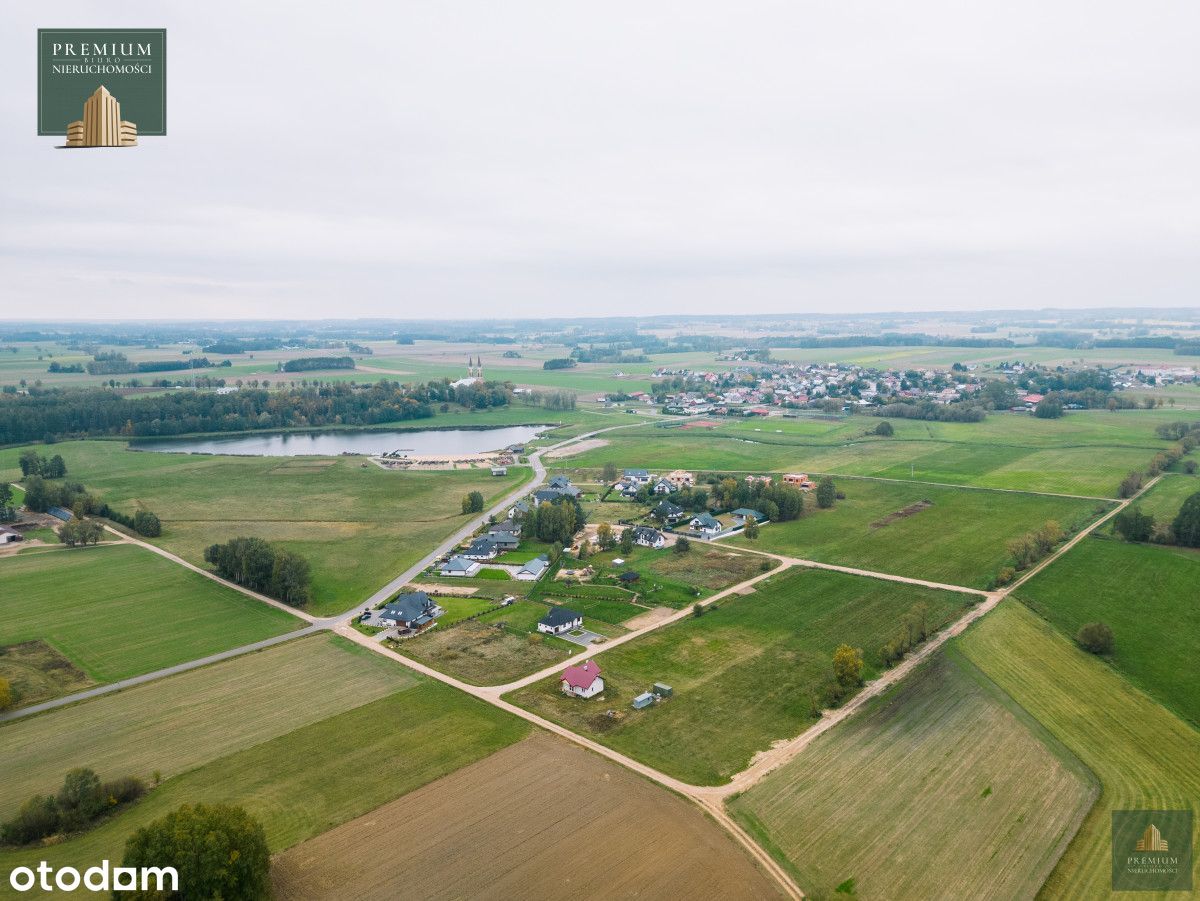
{"x":118,"y":610}
{"x":756,"y":662}
{"x":1164,"y":499}
{"x":342,"y":757}
{"x":941,"y":788}
{"x":513,"y":826}
{"x":960,"y":539}
{"x":1148,"y":595}
{"x":1144,"y":756}
{"x":356,"y":524}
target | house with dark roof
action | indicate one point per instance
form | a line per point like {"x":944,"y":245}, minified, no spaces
{"x":668,"y":512}
{"x":648,"y":537}
{"x":662,"y":487}
{"x":743,"y":515}
{"x":582,"y":681}
{"x":415,"y":611}
{"x":640,"y":476}
{"x":460,"y":566}
{"x":504,"y":540}
{"x":628,"y":577}
{"x":559,"y":620}
{"x":706,"y":524}
{"x":520,"y":508}
{"x":533,"y":570}
{"x":481,"y":549}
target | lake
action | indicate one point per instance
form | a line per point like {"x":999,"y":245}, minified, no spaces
{"x":425,"y":442}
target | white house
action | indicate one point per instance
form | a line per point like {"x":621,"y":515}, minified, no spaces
{"x":706,"y":524}
{"x":582,"y":681}
{"x":532,"y":571}
{"x":648,"y":537}
{"x":460,"y":566}
{"x":560,"y":620}
{"x":637,"y":476}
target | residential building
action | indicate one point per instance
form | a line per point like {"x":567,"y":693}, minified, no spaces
{"x":647,"y":537}
{"x":582,"y":681}
{"x":742,"y":515}
{"x":415,"y":611}
{"x":798,"y":480}
{"x":481,"y":549}
{"x":533,"y":570}
{"x":559,"y":620}
{"x":640,"y":476}
{"x":668,"y":512}
{"x":460,"y":566}
{"x":706,"y":524}
{"x":663,"y":486}
{"x":681,"y":478}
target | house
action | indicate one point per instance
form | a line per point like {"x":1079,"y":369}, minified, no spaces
{"x":551,"y":495}
{"x":648,"y":537}
{"x":663,"y":486}
{"x":499,"y":470}
{"x":8,"y":536}
{"x":798,"y":480}
{"x":582,"y":681}
{"x":638,"y":476}
{"x":414,"y":611}
{"x":562,"y":485}
{"x":460,"y":566}
{"x":504,"y":526}
{"x":742,"y":515}
{"x":560,"y":620}
{"x":1032,"y":400}
{"x":503,"y":539}
{"x":644,"y":700}
{"x":520,"y":508}
{"x":706,"y":524}
{"x":532,"y":571}
{"x":628,"y":577}
{"x":668,"y":512}
{"x":758,"y":480}
{"x":481,"y":549}
{"x":681,"y":478}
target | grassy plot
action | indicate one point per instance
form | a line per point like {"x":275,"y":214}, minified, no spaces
{"x":744,"y":675}
{"x":1148,"y":595}
{"x":960,"y":537}
{"x":513,"y":826}
{"x":940,"y":788}
{"x":1164,"y":499}
{"x":355,"y":523}
{"x":175,"y":724}
{"x":316,"y":776}
{"x":118,"y":610}
{"x":1144,"y":756}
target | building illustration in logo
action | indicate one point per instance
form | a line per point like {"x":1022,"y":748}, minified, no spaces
{"x":1151,"y":840}
{"x":101,"y":125}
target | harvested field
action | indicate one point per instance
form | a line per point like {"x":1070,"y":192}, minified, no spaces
{"x":901,"y":514}
{"x":37,"y":672}
{"x":579,"y":448}
{"x":540,"y":819}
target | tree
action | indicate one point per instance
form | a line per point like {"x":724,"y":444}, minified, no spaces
{"x":1048,"y":408}
{"x":6,"y":496}
{"x":55,"y":467}
{"x":627,"y":541}
{"x":219,"y":851}
{"x":6,"y":695}
{"x":847,"y":665}
{"x":885,"y":429}
{"x":604,"y":537}
{"x":146,"y":523}
{"x":751,"y":529}
{"x":826,"y":493}
{"x":1096,"y":638}
{"x":80,"y":532}
{"x":610,"y":473}
{"x":1130,"y":485}
{"x":37,"y":494}
{"x":473,"y":502}
{"x":290,"y":578}
{"x":1187,"y":523}
{"x":697,"y":610}
{"x":1134,"y":525}
{"x":585,"y":548}
{"x":682,"y":545}
{"x":31,"y":463}
{"x":80,"y":799}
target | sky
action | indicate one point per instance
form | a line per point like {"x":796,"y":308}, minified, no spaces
{"x":479,"y":159}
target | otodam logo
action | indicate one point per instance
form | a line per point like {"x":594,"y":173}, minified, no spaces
{"x":102,"y":87}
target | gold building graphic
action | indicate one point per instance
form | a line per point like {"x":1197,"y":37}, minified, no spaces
{"x":1151,"y":840}
{"x":101,"y":125}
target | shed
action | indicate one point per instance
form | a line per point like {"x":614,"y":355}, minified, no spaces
{"x":662,"y":690}
{"x":642,"y":701}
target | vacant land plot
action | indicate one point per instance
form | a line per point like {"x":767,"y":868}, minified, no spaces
{"x":36,"y":672}
{"x":119,"y":610}
{"x":942,"y":788}
{"x":1148,"y":595}
{"x":744,"y":675}
{"x":1144,"y":756}
{"x":514,"y":826}
{"x":180,"y":722}
{"x":953,"y":535}
{"x":1164,"y":499}
{"x":358,"y":526}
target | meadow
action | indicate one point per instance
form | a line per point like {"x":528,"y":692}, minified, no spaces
{"x":758,"y":660}
{"x":1147,"y":594}
{"x":117,"y":611}
{"x":1143,"y":755}
{"x":960,"y":538}
{"x":1164,"y":499}
{"x":356,"y":524}
{"x":942,"y":787}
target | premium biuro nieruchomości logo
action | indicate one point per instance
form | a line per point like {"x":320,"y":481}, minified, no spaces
{"x":102,"y":87}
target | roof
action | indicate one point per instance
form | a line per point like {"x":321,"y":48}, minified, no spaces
{"x":629,"y":576}
{"x":536,"y":566}
{"x":5,"y":530}
{"x":481,"y":546}
{"x":637,"y":473}
{"x":706,"y":519}
{"x":559,"y":616}
{"x":581,"y":676}
{"x":505,"y":525}
{"x":668,"y":508}
{"x":746,"y":511}
{"x":412,"y":607}
{"x":646,"y":532}
{"x":459,"y":563}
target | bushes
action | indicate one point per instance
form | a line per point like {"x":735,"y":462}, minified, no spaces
{"x":81,"y":800}
{"x":914,"y":629}
{"x":1095,"y":638}
{"x":1131,"y":485}
{"x":143,"y":521}
{"x":1134,"y":525}
{"x":1034,"y":546}
{"x":885,"y":429}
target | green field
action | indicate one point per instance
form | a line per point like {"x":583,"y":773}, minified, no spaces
{"x":319,"y":762}
{"x":1164,"y":499}
{"x":116,"y":611}
{"x":942,"y":787}
{"x":1148,"y":595}
{"x":960,"y":538}
{"x":356,"y":524}
{"x":756,"y":662}
{"x":1144,"y":756}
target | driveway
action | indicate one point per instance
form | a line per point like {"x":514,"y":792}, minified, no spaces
{"x":583,"y":637}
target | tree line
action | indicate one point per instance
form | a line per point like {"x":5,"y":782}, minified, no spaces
{"x":81,"y":800}
{"x":263,"y":567}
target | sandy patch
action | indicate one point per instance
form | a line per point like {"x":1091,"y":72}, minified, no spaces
{"x":577,"y":448}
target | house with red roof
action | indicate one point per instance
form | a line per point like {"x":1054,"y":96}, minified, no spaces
{"x":582,"y":681}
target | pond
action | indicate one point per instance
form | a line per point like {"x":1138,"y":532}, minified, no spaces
{"x":425,"y":442}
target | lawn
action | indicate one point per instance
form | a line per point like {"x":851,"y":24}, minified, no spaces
{"x":960,"y":538}
{"x":1144,"y":756}
{"x":460,"y":608}
{"x":356,"y":524}
{"x":116,"y":611}
{"x":1148,"y":595}
{"x":744,"y":675}
{"x":178,"y":723}
{"x":305,"y":781}
{"x":942,"y":787}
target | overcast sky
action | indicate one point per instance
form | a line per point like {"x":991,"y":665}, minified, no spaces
{"x":443,"y":158}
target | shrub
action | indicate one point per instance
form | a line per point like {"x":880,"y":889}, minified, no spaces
{"x":847,"y":665}
{"x":826,"y":493}
{"x":1186,"y":527}
{"x":682,"y":545}
{"x":6,"y":695}
{"x":147,"y":524}
{"x":1134,"y":525}
{"x":37,"y":818}
{"x":885,"y":429}
{"x":1096,"y":638}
